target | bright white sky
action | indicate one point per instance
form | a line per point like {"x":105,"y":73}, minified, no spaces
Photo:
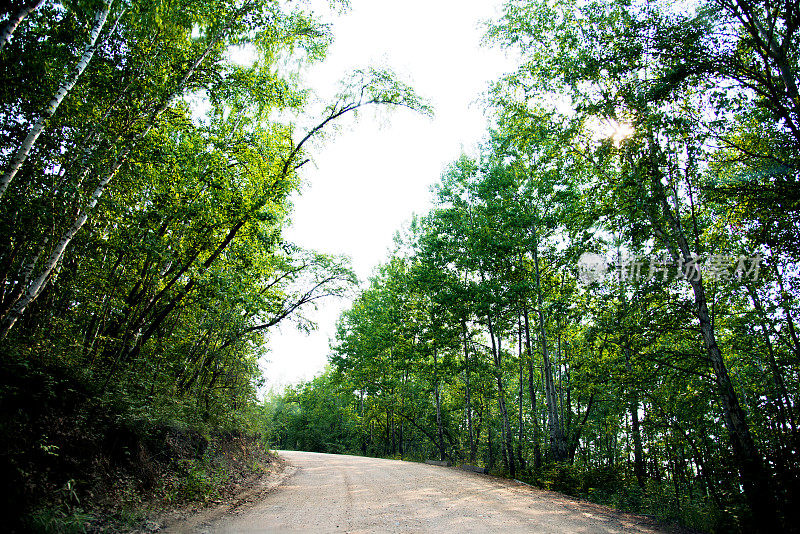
{"x":376,"y":172}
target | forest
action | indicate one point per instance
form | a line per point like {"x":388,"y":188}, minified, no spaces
{"x":602,"y":297}
{"x":149,"y":151}
{"x":600,"y":301}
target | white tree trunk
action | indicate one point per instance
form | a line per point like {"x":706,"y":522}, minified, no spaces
{"x":15,"y":20}
{"x":37,"y":285}
{"x":24,"y":149}
{"x":26,"y":276}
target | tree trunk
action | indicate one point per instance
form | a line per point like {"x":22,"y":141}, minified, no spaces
{"x":16,"y":19}
{"x":521,"y":361}
{"x":501,"y":399}
{"x":36,"y":286}
{"x":440,"y":433}
{"x":754,"y":477}
{"x":537,"y":451}
{"x":638,"y":452}
{"x":27,"y":271}
{"x":22,"y":152}
{"x":557,"y":444}
{"x":781,"y":395}
{"x":467,"y":400}
{"x":489,"y":440}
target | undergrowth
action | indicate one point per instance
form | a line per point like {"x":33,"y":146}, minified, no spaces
{"x":73,"y":463}
{"x":612,"y":486}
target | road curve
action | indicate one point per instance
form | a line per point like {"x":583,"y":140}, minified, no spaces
{"x":337,"y":493}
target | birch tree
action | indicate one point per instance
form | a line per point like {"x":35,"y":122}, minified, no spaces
{"x":25,"y":147}
{"x":16,"y":12}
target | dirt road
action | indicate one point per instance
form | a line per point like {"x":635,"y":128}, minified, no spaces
{"x":332,"y":493}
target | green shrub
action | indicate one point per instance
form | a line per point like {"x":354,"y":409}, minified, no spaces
{"x":563,"y":478}
{"x":196,"y":482}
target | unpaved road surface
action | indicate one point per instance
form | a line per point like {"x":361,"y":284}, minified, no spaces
{"x":333,"y":493}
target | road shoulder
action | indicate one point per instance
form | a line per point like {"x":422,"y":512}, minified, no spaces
{"x":254,"y":491}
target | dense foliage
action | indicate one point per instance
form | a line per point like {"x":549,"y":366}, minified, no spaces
{"x":148,"y":153}
{"x":603,"y":298}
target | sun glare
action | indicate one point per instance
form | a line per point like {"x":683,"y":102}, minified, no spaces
{"x":613,"y":129}
{"x":620,"y":131}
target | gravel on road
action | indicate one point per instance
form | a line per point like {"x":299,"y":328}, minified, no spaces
{"x":338,"y":493}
